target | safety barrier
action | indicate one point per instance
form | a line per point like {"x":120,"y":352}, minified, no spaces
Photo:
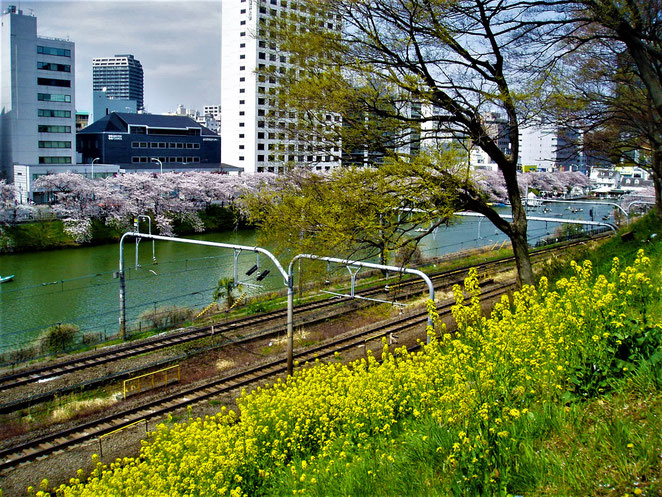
{"x":100,"y":439}
{"x":135,"y":385}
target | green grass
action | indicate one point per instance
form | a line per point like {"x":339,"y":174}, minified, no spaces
{"x":602,"y":255}
{"x":609,"y":445}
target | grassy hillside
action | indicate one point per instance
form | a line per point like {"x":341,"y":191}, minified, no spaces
{"x":557,"y":393}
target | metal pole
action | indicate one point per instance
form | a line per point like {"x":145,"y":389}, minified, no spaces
{"x":346,"y":262}
{"x":290,"y":325}
{"x":93,"y":160}
{"x":160,"y":164}
{"x":122,"y":290}
{"x":559,"y":220}
{"x":258,"y":250}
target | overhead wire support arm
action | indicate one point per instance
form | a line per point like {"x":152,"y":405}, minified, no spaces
{"x":235,"y":247}
{"x":347,"y":263}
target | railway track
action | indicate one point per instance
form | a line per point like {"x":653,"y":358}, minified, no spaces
{"x":409,"y":288}
{"x":62,"y":440}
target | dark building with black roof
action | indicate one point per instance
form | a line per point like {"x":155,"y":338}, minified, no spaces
{"x":137,"y":142}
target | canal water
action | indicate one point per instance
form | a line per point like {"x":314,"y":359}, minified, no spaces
{"x":78,"y":285}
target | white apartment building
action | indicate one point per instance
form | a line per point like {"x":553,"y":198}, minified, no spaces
{"x":538,"y":147}
{"x":213,"y":111}
{"x":37,"y":96}
{"x":251,"y":138}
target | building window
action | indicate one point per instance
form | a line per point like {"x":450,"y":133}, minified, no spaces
{"x":47,"y":97}
{"x":62,"y":83}
{"x":242,"y":45}
{"x":53,"y":113}
{"x":262,"y":56}
{"x":242,"y":90}
{"x":54,"y":144}
{"x":241,"y":102}
{"x":241,"y":135}
{"x":51,"y":66}
{"x":242,"y":56}
{"x":241,"y":157}
{"x":260,"y":158}
{"x":54,"y":160}
{"x":243,"y":23}
{"x":60,"y":52}
{"x":243,"y":33}
{"x":242,"y":79}
{"x":242,"y":113}
{"x":43,"y":128}
{"x":242,"y":68}
{"x":241,"y":125}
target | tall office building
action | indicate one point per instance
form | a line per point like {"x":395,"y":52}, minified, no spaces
{"x":119,"y":77}
{"x":37,"y":108}
{"x":250,"y":137}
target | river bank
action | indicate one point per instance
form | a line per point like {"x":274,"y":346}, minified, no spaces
{"x":50,"y":233}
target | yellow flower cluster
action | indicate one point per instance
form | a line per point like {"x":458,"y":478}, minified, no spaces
{"x":477,"y":381}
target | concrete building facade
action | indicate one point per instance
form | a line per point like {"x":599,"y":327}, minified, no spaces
{"x":251,"y":138}
{"x":37,"y":95}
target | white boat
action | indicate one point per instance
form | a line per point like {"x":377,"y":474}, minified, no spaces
{"x":5,"y":279}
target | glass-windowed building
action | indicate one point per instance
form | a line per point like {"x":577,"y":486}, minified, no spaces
{"x":37,"y":96}
{"x":120,"y":78}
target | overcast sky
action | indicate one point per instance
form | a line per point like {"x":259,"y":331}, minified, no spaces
{"x":177,"y":43}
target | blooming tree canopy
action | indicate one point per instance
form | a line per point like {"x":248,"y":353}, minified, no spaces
{"x":167,"y":197}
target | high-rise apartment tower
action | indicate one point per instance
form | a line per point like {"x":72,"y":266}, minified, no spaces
{"x":249,"y":139}
{"x":37,"y":104}
{"x":119,"y":77}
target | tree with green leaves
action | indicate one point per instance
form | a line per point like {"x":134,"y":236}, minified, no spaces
{"x":388,"y":79}
{"x":357,"y":212}
{"x":225,"y":289}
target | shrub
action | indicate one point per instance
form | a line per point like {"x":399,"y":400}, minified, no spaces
{"x":59,"y":338}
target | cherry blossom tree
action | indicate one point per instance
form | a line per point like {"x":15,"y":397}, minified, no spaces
{"x":494,"y":186}
{"x":166,"y":197}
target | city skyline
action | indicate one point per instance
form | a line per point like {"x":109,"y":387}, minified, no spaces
{"x":150,"y":30}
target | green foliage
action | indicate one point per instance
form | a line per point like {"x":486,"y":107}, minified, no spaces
{"x":225,"y":289}
{"x":357,"y":211}
{"x":38,"y":235}
{"x":59,"y":338}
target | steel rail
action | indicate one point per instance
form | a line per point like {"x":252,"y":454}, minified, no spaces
{"x":120,"y":352}
{"x":61,"y":440}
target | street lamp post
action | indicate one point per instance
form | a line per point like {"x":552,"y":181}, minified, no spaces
{"x":93,"y":161}
{"x":160,"y":163}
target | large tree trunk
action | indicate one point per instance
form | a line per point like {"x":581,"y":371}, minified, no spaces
{"x":518,"y":226}
{"x":656,"y":175}
{"x":522,"y":258}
